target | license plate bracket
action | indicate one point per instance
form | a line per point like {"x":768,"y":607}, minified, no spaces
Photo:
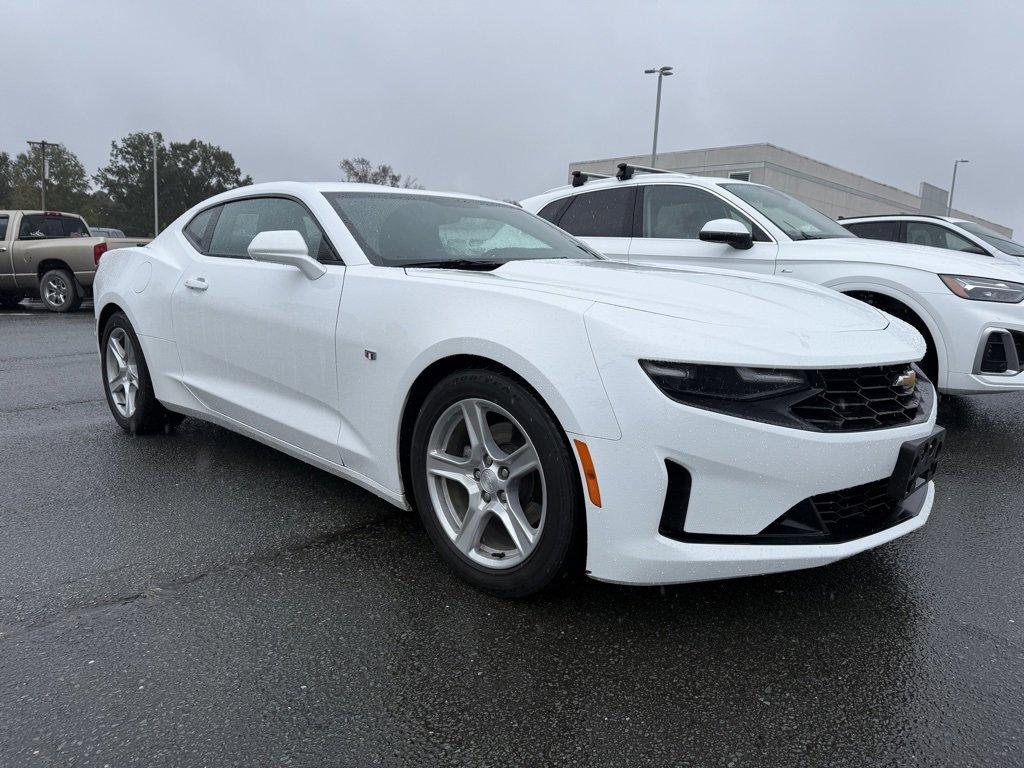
{"x":918,"y":460}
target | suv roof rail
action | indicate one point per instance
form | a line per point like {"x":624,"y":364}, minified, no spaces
{"x":579,"y":178}
{"x":626,"y":170}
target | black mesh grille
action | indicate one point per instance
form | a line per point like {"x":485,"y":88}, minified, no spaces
{"x":993,"y":359}
{"x":856,"y":399}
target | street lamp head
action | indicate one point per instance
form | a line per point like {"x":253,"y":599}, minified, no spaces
{"x":963,"y":161}
{"x":663,"y":71}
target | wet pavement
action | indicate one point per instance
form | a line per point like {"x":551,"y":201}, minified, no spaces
{"x":198,"y":599}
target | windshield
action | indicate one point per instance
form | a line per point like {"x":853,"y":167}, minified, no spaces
{"x":401,"y":230}
{"x":797,"y":220}
{"x":1003,"y":244}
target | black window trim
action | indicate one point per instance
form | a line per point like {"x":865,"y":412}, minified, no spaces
{"x":7,"y":217}
{"x":638,"y":213}
{"x":212,"y":224}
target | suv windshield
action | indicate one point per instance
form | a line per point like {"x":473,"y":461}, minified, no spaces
{"x":403,"y":230}
{"x":1003,"y":244}
{"x":798,"y":220}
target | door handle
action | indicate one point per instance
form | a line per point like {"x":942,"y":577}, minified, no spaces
{"x":197,"y":284}
{"x":3,"y":249}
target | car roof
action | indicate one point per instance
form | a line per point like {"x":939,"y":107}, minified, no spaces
{"x":898,"y":217}
{"x":37,"y":213}
{"x":294,"y":187}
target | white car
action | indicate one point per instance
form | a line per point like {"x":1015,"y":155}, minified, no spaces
{"x":540,"y":406}
{"x":967,"y":308}
{"x":935,"y":232}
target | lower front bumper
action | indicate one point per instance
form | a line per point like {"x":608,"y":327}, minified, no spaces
{"x":659,"y":560}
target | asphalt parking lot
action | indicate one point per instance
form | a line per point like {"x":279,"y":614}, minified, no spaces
{"x":199,"y":599}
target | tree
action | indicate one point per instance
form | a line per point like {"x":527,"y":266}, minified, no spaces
{"x":361,"y":170}
{"x":187,"y":173}
{"x":67,"y":185}
{"x":6,"y":180}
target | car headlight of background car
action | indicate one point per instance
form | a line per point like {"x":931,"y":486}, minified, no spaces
{"x":826,"y":400}
{"x":984,"y":289}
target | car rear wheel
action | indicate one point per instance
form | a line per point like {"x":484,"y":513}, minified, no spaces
{"x":59,"y":291}
{"x":126,"y":381}
{"x":495,"y":484}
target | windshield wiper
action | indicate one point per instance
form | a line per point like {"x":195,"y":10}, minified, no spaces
{"x":455,"y":264}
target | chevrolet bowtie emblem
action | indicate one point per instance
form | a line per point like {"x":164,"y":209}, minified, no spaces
{"x":907,"y":380}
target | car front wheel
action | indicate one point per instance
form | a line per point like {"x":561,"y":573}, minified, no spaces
{"x":495,"y":484}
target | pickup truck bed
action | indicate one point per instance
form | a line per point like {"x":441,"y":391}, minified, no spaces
{"x":50,"y":255}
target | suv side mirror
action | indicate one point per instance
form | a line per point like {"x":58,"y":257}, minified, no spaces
{"x":285,"y":246}
{"x":727,"y":231}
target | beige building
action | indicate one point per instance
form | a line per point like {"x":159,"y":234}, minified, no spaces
{"x":831,"y":190}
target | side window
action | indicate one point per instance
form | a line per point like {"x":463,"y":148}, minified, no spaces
{"x":605,"y":213}
{"x":38,"y":227}
{"x":552,"y":210}
{"x":240,"y":221}
{"x":678,"y":212}
{"x":4,"y":220}
{"x":924,"y":233}
{"x":876,"y":230}
{"x":74,"y":227}
{"x":196,"y":230}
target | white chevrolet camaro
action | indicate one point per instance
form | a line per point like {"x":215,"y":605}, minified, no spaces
{"x":541,"y":407}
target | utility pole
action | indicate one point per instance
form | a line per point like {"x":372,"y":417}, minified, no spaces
{"x":42,"y":144}
{"x":156,"y":204}
{"x":661,"y":72}
{"x":952,"y":187}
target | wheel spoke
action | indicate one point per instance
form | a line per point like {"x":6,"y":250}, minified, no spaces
{"x":514,"y":519}
{"x":129,"y":396}
{"x":521,"y":461}
{"x":450,"y":468}
{"x":473,"y":525}
{"x":480,"y":438}
{"x":118,"y":352}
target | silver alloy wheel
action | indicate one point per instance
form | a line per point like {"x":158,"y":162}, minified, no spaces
{"x":122,"y":372}
{"x":486,"y":483}
{"x":56,"y":291}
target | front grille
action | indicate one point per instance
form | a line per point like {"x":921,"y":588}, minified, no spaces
{"x":857,"y":399}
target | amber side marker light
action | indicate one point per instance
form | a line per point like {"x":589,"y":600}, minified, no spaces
{"x":589,"y":473}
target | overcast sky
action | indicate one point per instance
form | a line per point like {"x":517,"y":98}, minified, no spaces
{"x":497,"y":98}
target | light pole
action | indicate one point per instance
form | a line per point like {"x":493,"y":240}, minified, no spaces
{"x":156,"y":204}
{"x":952,"y":186}
{"x":661,"y":72}
{"x":42,"y":170}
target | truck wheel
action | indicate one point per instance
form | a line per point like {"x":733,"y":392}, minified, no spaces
{"x":59,"y":291}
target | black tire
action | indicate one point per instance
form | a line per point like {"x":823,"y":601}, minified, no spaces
{"x":149,"y":415}
{"x":58,"y":290}
{"x":559,"y":548}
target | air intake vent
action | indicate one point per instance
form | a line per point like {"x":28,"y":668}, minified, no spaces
{"x":857,"y":399}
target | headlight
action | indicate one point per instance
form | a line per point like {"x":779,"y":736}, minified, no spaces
{"x":984,"y":289}
{"x":688,"y":382}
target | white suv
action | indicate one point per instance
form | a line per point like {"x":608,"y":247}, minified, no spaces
{"x":967,"y":308}
{"x":936,"y":232}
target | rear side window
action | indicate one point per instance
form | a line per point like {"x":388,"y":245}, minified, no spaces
{"x":553,"y":210}
{"x":4,"y":220}
{"x":238,"y":222}
{"x":876,"y":230}
{"x":196,"y":231}
{"x":604,"y":213}
{"x":923,"y":233}
{"x":42,"y":226}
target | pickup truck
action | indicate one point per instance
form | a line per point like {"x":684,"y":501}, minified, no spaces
{"x":50,"y":255}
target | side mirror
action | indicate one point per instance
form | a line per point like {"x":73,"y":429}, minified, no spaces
{"x":285,"y":246}
{"x":727,"y":231}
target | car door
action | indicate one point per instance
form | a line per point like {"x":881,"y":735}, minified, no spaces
{"x":603,"y":219}
{"x":667,"y":231}
{"x":257,"y":340}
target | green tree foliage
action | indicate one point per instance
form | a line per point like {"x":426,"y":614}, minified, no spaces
{"x":361,"y":170}
{"x":188,"y":173}
{"x":6,"y":180}
{"x":67,"y":185}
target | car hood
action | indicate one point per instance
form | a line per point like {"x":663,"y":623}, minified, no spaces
{"x":936,"y":260}
{"x":715,"y":297}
